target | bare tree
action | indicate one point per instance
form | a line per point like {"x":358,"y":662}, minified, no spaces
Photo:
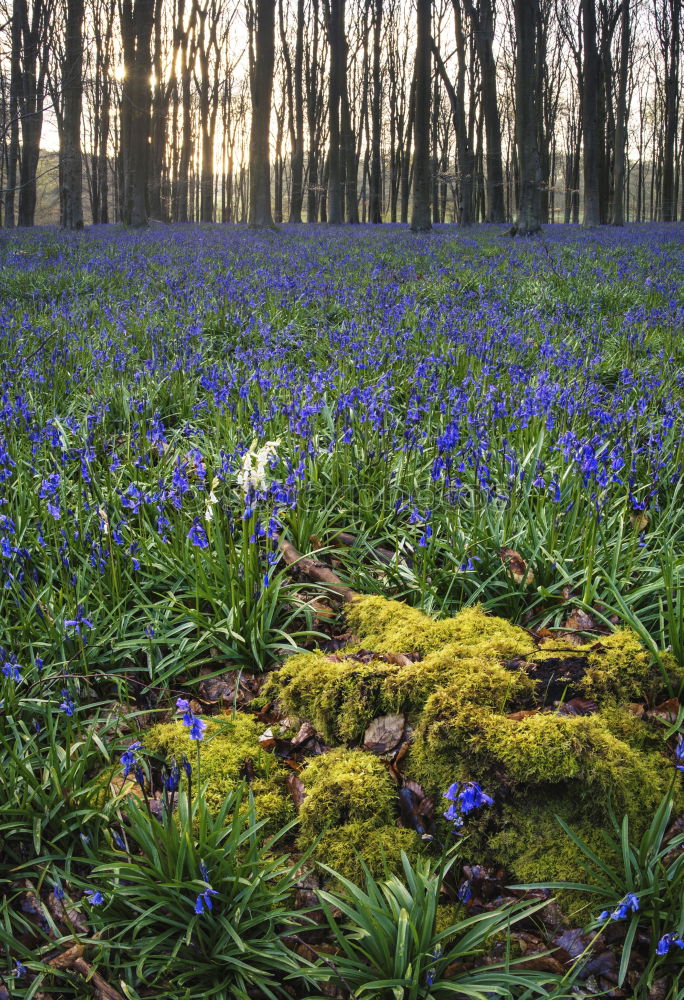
{"x":420,"y":219}
{"x":261,"y":59}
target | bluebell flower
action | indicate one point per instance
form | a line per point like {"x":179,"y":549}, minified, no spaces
{"x":94,"y":897}
{"x":629,"y":904}
{"x":667,"y":943}
{"x":203,"y":901}
{"x":19,"y":969}
{"x":195,"y":726}
{"x":679,"y":754}
{"x":198,"y":536}
{"x":128,"y":758}
{"x":465,"y":891}
{"x":67,"y":705}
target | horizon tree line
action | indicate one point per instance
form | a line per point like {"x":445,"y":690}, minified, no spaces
{"x":340,"y":111}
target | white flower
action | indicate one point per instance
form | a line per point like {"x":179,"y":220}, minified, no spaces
{"x":212,"y":499}
{"x":253,"y":474}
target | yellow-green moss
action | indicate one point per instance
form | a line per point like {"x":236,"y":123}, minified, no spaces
{"x":534,"y":846}
{"x":379,"y":847}
{"x":227,"y":745}
{"x":392,"y":627}
{"x":350,"y":805}
{"x":345,"y":786}
{"x":340,"y":698}
{"x":581,"y":754}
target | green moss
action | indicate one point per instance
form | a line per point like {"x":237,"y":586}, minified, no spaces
{"x":227,"y":746}
{"x":619,"y":668}
{"x":379,"y":847}
{"x":350,"y":805}
{"x":580,"y":754}
{"x":340,"y":697}
{"x":532,"y":843}
{"x":345,"y":786}
{"x":392,"y":627}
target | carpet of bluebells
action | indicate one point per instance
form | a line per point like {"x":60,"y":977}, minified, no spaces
{"x":445,"y":398}
{"x":448,"y":419}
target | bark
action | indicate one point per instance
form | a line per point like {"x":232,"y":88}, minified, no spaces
{"x":335,"y":23}
{"x":15,"y":83}
{"x":261,"y":88}
{"x":483,"y":27}
{"x":590,"y":106}
{"x":72,"y":93}
{"x":420,"y":219}
{"x":528,"y":218}
{"x":671,"y":53}
{"x":137,"y":19}
{"x":621,"y":121}
{"x":375,"y":191}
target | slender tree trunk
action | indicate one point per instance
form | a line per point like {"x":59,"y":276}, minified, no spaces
{"x":528,"y":219}
{"x":590,"y":103}
{"x":420,"y":219}
{"x":72,"y":93}
{"x":483,"y":24}
{"x":621,"y":121}
{"x":261,"y":85}
{"x":375,"y":188}
{"x":335,"y":21}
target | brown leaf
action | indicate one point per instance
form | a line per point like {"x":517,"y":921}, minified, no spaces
{"x":384,"y":734}
{"x":516,"y":566}
{"x":580,"y":621}
{"x":524,"y":714}
{"x":306,"y":732}
{"x":267,"y":740}
{"x":295,"y":787}
{"x":578,"y":706}
{"x":667,"y":711}
{"x":639,"y":520}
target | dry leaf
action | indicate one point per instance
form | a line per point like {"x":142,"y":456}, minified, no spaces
{"x":516,"y":566}
{"x":384,"y":734}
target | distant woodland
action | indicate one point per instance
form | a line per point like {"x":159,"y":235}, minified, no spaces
{"x":270,"y":111}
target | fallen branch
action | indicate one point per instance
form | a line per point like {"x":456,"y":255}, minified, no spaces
{"x":383,"y":554}
{"x":316,"y":571}
{"x":73,"y":959}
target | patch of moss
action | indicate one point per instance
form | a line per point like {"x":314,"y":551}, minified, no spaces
{"x":345,"y":786}
{"x":228,"y":744}
{"x":579,"y":754}
{"x":350,"y":805}
{"x":532,"y":843}
{"x":392,"y":627}
{"x":340,"y":697}
{"x":379,"y":847}
{"x":620,"y":669}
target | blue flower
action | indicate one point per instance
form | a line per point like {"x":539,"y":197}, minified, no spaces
{"x":94,"y":897}
{"x":679,"y":754}
{"x":67,"y":705}
{"x":198,"y":536}
{"x":667,"y":942}
{"x":629,"y":904}
{"x":195,"y":726}
{"x":128,"y":758}
{"x":19,"y":969}
{"x":203,"y":901}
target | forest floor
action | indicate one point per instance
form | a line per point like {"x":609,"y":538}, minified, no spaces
{"x":212,"y":440}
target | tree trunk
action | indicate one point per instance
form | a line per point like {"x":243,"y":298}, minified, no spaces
{"x":72,"y":92}
{"x":335,"y":22}
{"x":261,"y":87}
{"x":420,"y":219}
{"x":375,"y":189}
{"x":528,"y":218}
{"x":621,"y":121}
{"x":590,"y":100}
{"x":483,"y":25}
